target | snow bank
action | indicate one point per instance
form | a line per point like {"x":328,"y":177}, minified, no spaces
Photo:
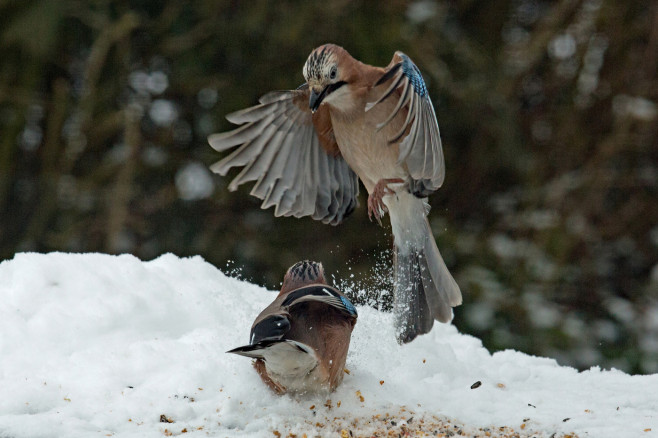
{"x":99,"y":345}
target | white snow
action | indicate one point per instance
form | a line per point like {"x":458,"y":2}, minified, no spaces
{"x":99,"y":345}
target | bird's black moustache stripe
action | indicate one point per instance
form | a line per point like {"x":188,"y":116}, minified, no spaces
{"x":333,"y":87}
{"x":315,"y":102}
{"x":330,"y":89}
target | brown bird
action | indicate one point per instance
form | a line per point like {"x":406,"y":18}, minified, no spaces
{"x":307,"y":148}
{"x":300,"y":341}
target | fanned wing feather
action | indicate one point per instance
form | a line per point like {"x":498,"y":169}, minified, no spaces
{"x":404,"y":98}
{"x":278,"y":147}
{"x":274,"y":158}
{"x":420,"y":149}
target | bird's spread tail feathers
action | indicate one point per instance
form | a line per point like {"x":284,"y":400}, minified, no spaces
{"x":281,"y":356}
{"x":424,"y":288}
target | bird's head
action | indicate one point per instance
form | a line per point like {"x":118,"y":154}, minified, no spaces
{"x":323,"y":73}
{"x":301,"y":274}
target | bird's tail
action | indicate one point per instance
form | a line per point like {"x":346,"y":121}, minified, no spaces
{"x":424,"y":288}
{"x":281,"y":356}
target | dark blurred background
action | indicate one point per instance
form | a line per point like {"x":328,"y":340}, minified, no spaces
{"x":549,"y":214}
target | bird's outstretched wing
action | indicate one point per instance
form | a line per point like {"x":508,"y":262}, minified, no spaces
{"x":292,"y":156}
{"x":420,"y":149}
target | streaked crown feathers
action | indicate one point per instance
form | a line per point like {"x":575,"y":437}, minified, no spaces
{"x":306,"y":271}
{"x":320,"y":63}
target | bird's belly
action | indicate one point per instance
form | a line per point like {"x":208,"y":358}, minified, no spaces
{"x":368,"y":153}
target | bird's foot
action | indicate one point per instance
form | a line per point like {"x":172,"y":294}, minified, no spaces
{"x":376,"y":206}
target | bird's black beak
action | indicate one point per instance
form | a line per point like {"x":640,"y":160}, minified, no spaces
{"x":315,"y":99}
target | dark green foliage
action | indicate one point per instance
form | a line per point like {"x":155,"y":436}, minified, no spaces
{"x":549,"y":213}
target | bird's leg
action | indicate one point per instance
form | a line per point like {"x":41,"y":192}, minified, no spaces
{"x":375,"y":204}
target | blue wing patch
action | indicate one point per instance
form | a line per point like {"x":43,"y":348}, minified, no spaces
{"x":410,"y":70}
{"x":349,"y":306}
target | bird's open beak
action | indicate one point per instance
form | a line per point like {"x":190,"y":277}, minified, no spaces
{"x":316,"y":98}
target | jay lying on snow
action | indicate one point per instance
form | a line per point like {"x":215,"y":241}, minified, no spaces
{"x":307,"y":148}
{"x":300,"y":341}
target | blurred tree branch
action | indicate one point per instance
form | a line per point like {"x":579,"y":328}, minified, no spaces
{"x":49,"y":177}
{"x":651,"y":51}
{"x":120,"y":195}
{"x":533,"y":52}
{"x":551,"y":158}
{"x":176,"y":44}
{"x":110,"y":35}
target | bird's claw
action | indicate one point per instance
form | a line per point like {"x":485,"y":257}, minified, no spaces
{"x":376,"y":204}
{"x":375,"y":210}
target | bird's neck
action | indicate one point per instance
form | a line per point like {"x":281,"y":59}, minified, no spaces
{"x":349,"y":101}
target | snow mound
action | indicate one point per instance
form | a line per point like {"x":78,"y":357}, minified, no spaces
{"x":100,"y":345}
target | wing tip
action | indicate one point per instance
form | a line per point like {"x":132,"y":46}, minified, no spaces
{"x":234,"y":117}
{"x":245,"y":350}
{"x":216,"y":140}
{"x":218,"y":168}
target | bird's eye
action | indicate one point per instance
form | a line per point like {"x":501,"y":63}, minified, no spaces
{"x":333,"y":73}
